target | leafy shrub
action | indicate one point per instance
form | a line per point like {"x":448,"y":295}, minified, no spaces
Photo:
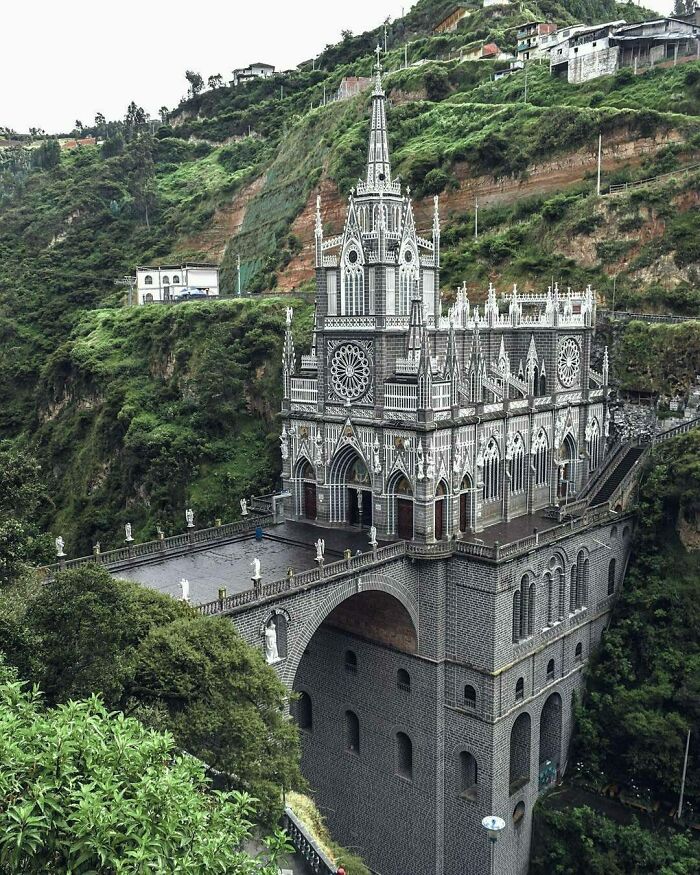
{"x":435,"y":181}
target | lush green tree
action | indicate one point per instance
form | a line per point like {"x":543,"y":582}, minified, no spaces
{"x":23,"y":491}
{"x":86,"y":791}
{"x":222,"y":702}
{"x":153,"y":656}
{"x":47,"y":155}
{"x":579,"y":841}
{"x":141,"y":178}
{"x":644,"y":691}
{"x":215,"y":81}
{"x":85,"y":629}
{"x":196,"y":82}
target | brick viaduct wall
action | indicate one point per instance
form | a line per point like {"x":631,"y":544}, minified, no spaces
{"x":461,"y":609}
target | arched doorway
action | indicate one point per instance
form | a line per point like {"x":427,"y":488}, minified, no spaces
{"x":550,"y":740}
{"x":306,"y":490}
{"x":440,"y":512}
{"x":465,"y":504}
{"x":566,"y":485}
{"x":400,"y":495}
{"x":351,"y":489}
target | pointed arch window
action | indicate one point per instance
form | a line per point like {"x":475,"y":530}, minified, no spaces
{"x":407,"y":276}
{"x":492,"y":469}
{"x":540,"y":452}
{"x":594,"y":446}
{"x":517,"y":465}
{"x":353,"y":282}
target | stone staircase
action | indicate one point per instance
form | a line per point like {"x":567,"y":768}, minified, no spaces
{"x":605,"y":490}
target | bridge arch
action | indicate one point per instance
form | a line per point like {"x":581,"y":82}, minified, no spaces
{"x":395,"y":594}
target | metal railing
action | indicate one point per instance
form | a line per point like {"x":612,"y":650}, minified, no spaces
{"x":305,"y":844}
{"x":627,"y":316}
{"x":625,"y":186}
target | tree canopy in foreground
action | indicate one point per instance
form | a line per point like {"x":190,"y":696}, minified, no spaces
{"x":86,"y":791}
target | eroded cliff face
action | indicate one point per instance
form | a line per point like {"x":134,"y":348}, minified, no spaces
{"x":542,"y":179}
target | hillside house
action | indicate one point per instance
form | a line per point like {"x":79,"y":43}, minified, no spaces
{"x":602,"y":49}
{"x":72,"y":143}
{"x":167,"y":283}
{"x":657,"y":41}
{"x":529,"y":37}
{"x":253,"y":71}
{"x":586,"y":54}
{"x":449,"y":23}
{"x":549,"y":40}
{"x":513,"y":68}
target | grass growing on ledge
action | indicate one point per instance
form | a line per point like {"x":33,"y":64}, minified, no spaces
{"x":305,"y":809}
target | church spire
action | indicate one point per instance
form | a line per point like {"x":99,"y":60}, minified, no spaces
{"x":378,"y":166}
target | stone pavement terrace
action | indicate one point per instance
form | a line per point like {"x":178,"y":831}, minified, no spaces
{"x":228,"y":564}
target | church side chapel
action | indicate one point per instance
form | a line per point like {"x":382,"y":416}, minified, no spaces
{"x":429,"y":424}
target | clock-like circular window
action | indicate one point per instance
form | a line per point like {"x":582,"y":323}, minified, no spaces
{"x":568,"y":362}
{"x":350,"y":371}
{"x":352,"y":256}
{"x":409,"y":255}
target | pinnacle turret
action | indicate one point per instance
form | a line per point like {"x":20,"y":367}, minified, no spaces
{"x":378,"y":164}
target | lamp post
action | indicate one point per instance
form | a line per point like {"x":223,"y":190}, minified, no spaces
{"x":493,"y":826}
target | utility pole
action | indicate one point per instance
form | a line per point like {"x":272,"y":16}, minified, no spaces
{"x":525,"y":63}
{"x":238,"y":274}
{"x":405,"y":56}
{"x":476,"y":218}
{"x":613,"y":301}
{"x":324,"y":93}
{"x":600,"y":153}
{"x":385,"y":37}
{"x":685,"y":769}
{"x":129,"y":282}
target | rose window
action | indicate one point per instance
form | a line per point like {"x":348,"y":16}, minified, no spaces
{"x":350,"y":372}
{"x":568,"y":362}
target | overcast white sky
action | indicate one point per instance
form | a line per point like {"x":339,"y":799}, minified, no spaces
{"x":65,"y":61}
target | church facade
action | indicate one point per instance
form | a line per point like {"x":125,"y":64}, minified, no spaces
{"x":427,"y":425}
{"x":449,"y":428}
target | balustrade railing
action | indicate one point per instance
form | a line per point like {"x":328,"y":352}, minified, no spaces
{"x":163,"y":546}
{"x":305,"y":845}
{"x":302,"y":579}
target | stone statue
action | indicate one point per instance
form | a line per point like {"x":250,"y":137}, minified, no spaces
{"x":185,"y":589}
{"x":373,"y":536}
{"x":189,"y":516}
{"x":271,"y":652}
{"x":256,"y":568}
{"x":127,"y":532}
{"x":318,"y":444}
{"x":290,"y":313}
{"x":320,"y":550}
{"x":244,"y":507}
{"x":420,"y":464}
{"x":376,"y":460}
{"x":97,"y":549}
{"x":430,"y":469}
{"x":284,"y":441}
{"x":160,"y":533}
{"x":60,"y":544}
